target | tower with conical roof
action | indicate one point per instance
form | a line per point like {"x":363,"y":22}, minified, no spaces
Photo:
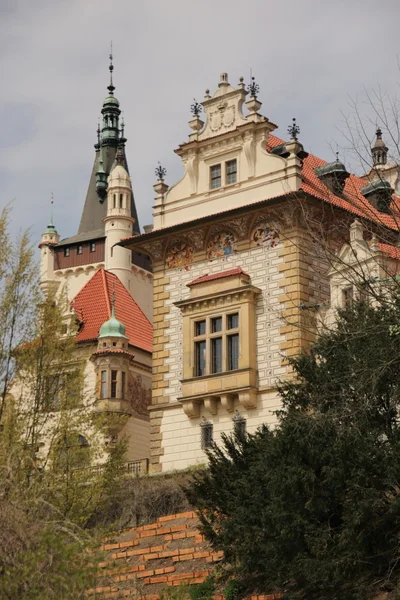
{"x":110,"y":138}
{"x":107,"y":216}
{"x":379,"y":150}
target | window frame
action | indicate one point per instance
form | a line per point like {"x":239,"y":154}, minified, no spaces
{"x":92,"y":246}
{"x":79,"y":249}
{"x":207,"y":434}
{"x":215,"y":178}
{"x":67,"y":251}
{"x":348,"y":296}
{"x":217,"y":357}
{"x":227,"y":174}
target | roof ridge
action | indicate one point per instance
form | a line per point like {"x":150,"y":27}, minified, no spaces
{"x":104,"y":278}
{"x":129,"y":294}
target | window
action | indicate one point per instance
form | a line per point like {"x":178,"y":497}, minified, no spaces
{"x":72,"y":451}
{"x":79,"y":249}
{"x":233,"y":321}
{"x":103,"y":391}
{"x":66,"y":251}
{"x":114,"y":379}
{"x":233,"y":352}
{"x":239,"y":426}
{"x":123,"y":384}
{"x":218,"y":350}
{"x":121,"y":200}
{"x":206,"y":434}
{"x":92,"y":246}
{"x":216,"y":324}
{"x":215,"y":177}
{"x":200,"y":328}
{"x":216,"y":355}
{"x":115,"y":201}
{"x":348,"y":296}
{"x":231,"y":171}
{"x":53,"y":392}
{"x":200,"y":358}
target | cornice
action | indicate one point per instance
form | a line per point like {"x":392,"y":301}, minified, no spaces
{"x":226,"y":297}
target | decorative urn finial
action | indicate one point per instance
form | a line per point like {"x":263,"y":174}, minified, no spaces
{"x":294,"y":130}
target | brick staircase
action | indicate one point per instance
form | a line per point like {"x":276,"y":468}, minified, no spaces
{"x":141,"y":562}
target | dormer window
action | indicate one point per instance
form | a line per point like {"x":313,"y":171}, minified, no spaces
{"x":231,"y":171}
{"x":215,"y":177}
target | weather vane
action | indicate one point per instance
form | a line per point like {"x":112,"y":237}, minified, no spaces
{"x":293,"y":130}
{"x":253,"y":87}
{"x":160,"y":172}
{"x":196,"y":108}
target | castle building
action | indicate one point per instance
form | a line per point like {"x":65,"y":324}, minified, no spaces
{"x":108,"y":290}
{"x":239,"y":274}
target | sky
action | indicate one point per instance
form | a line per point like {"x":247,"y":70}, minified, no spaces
{"x":311,"y":59}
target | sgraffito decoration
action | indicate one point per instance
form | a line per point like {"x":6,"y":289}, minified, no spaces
{"x":221,"y":245}
{"x":179,"y":255}
{"x":265,"y":234}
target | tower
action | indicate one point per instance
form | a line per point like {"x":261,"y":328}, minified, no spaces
{"x":118,"y":222}
{"x":49,"y":240}
{"x":379,"y":150}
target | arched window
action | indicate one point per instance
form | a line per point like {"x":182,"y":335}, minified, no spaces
{"x":115,"y":201}
{"x":121,"y":201}
{"x":72,"y":451}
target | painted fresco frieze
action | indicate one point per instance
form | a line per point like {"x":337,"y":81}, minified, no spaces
{"x":179,"y":255}
{"x":265,"y":234}
{"x":221,"y":245}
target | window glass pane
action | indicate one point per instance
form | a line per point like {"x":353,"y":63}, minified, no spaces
{"x":200,"y":358}
{"x":239,"y":426}
{"x":216,"y":355}
{"x":233,"y":321}
{"x":233,"y":352}
{"x":231,"y":171}
{"x":123,"y":385}
{"x":215,"y":176}
{"x":104,"y":384}
{"x":216,"y":324}
{"x":206,"y":434}
{"x":348,"y":296}
{"x":200,"y":328}
{"x":114,"y":375}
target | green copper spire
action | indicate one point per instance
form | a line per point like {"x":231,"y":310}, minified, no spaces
{"x":50,"y":227}
{"x":113,"y":327}
{"x":110,"y":112}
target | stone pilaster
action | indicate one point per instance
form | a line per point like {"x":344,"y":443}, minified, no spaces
{"x":160,"y":339}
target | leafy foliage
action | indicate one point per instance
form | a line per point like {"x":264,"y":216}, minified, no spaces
{"x":312,"y":508}
{"x":54,"y":507}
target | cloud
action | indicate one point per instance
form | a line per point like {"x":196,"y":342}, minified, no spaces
{"x":308,"y":58}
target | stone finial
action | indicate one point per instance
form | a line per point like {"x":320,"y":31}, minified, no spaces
{"x":223,"y":80}
{"x":356,"y":231}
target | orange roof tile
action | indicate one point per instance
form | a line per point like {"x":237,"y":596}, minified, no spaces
{"x":93,"y":307}
{"x":203,"y":278}
{"x":390,"y":250}
{"x":353,"y":200}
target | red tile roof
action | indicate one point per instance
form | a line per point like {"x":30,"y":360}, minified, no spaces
{"x":93,"y":307}
{"x":390,"y":250}
{"x":230,"y":273}
{"x":353,"y":200}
